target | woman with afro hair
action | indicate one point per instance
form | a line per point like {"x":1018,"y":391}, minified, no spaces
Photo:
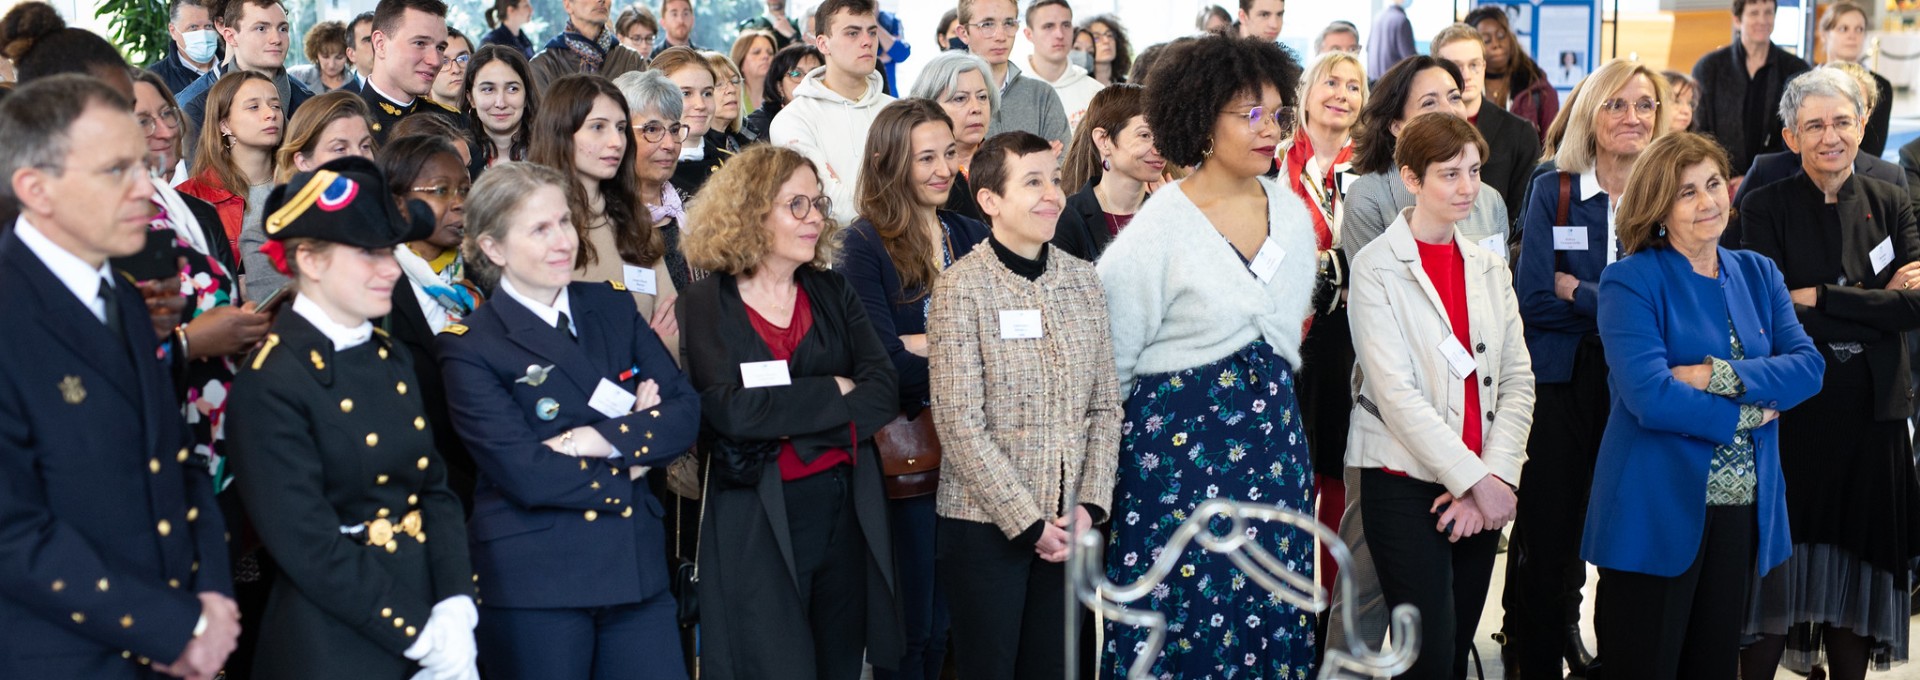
{"x":1209,"y":294}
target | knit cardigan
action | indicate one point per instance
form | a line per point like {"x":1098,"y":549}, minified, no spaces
{"x":1179,"y":296}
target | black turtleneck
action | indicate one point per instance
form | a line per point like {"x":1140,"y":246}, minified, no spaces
{"x":1025,"y":268}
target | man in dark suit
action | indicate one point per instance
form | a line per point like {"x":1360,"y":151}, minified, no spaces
{"x":409,"y":41}
{"x":117,"y":562}
{"x":255,"y":32}
{"x":1514,"y":145}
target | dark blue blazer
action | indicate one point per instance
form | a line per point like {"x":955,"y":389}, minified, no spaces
{"x":501,"y":35}
{"x":1649,"y":500}
{"x":98,"y":554}
{"x":550,"y":531}
{"x":893,"y":312}
{"x":1554,"y":326}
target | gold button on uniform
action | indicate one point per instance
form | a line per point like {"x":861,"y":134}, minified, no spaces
{"x":422,"y":463}
{"x":413,"y":499}
{"x":627,"y":512}
{"x":153,"y":465}
{"x":591,"y":515}
{"x":102,"y":585}
{"x":373,"y":439}
{"x":399,"y":622}
{"x":382,"y":513}
{"x":410,"y":631}
{"x":419,"y":423}
{"x":165,"y":527}
{"x":126,"y":621}
{"x":173,"y":582}
{"x":400,"y":387}
{"x":386,"y":612}
{"x":595,"y":486}
{"x":59,"y":585}
{"x":180,"y":457}
{"x":393,"y":546}
{"x":193,"y":514}
{"x":346,"y":405}
{"x":382,"y":480}
{"x":79,"y":617}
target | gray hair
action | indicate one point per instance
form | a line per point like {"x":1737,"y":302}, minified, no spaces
{"x":650,"y":91}
{"x":36,"y":121}
{"x":1337,"y":27}
{"x":942,"y":74}
{"x":1819,"y":82}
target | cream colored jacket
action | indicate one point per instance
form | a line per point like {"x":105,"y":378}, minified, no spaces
{"x":1409,"y":407}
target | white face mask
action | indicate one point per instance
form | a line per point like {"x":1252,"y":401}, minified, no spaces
{"x":199,"y":46}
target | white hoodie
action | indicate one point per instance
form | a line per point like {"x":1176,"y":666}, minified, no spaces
{"x":1076,"y":90}
{"x":831,"y":131}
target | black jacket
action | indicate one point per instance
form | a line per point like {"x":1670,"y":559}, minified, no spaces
{"x":749,"y":621}
{"x":894,"y":312}
{"x":1774,"y":167}
{"x":758,"y":124}
{"x":1723,"y":100}
{"x":689,"y":176}
{"x":407,"y":325}
{"x":175,"y":72}
{"x":1874,"y":139}
{"x":1513,"y":148}
{"x":1910,"y":162}
{"x":1784,"y":222}
{"x":322,"y":439}
{"x":1082,"y":230}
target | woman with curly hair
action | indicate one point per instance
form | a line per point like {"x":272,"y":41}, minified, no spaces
{"x":796,"y":562}
{"x":1207,"y":320}
{"x":1112,"y":54}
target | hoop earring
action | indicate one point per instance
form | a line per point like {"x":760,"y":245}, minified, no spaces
{"x":226,"y":141}
{"x":1209,"y":152}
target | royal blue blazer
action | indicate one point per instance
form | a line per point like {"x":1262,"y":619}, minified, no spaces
{"x":1554,"y":326}
{"x":1649,"y":501}
{"x":550,"y":531}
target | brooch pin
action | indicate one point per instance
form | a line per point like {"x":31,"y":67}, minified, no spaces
{"x":71,"y":390}
{"x":536,"y":374}
{"x":546,"y":408}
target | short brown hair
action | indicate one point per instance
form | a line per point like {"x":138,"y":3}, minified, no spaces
{"x":731,"y":210}
{"x":672,"y":59}
{"x":636,"y":14}
{"x":823,"y":15}
{"x":1655,"y":184}
{"x":1453,"y":34}
{"x":989,"y":171}
{"x":228,"y":12}
{"x":1831,"y":19}
{"x":1740,"y":6}
{"x":1435,"y":137}
{"x":387,"y":14}
{"x":964,"y":11}
{"x":326,"y":37}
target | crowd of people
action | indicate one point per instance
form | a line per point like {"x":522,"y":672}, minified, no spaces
{"x":760,"y":363}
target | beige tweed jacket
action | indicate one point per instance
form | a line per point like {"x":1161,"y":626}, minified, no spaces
{"x":1026,"y":425}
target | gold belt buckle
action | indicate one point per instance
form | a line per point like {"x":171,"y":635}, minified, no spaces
{"x":381,"y":532}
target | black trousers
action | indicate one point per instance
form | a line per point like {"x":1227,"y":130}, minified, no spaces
{"x":830,"y":559}
{"x":1008,"y":605}
{"x":1416,"y":564}
{"x":1687,"y":626}
{"x":1544,"y":571}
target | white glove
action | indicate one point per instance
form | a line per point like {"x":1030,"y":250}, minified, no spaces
{"x":446,"y":649}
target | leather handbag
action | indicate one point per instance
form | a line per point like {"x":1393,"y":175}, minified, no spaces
{"x":685,"y":581}
{"x":909,"y":455}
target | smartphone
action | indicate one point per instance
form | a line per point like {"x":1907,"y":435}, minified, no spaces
{"x":274,"y":298}
{"x":158,"y":259}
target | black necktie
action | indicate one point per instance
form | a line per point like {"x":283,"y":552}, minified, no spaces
{"x":566,"y":327}
{"x":112,"y":308}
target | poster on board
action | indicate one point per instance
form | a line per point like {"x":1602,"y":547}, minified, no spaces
{"x":1563,"y":44}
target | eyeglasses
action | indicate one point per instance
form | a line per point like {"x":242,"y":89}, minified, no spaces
{"x":796,"y":74}
{"x":1817,"y":129}
{"x":654,"y":132}
{"x":991,"y":26}
{"x":169,"y":117}
{"x":802,"y":206}
{"x":444,"y":192}
{"x":461,"y":60}
{"x":1618,"y":107}
{"x":1283,"y":117}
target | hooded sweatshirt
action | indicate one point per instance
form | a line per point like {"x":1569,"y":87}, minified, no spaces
{"x":1076,"y":90}
{"x":831,"y":130}
{"x":1027,"y":103}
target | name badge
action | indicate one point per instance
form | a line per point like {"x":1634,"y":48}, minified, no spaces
{"x":640,"y":279}
{"x":1496,"y":243}
{"x":1019,"y":324}
{"x":1569,"y":238}
{"x":764,"y":374}
{"x":1459,"y":360}
{"x":1267,"y":261}
{"x":1346,"y":181}
{"x":610,"y":400}
{"x":1882,"y":255}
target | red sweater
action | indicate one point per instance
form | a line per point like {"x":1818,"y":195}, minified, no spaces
{"x":1449,"y":274}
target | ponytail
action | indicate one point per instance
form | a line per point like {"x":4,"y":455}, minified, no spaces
{"x":492,"y":18}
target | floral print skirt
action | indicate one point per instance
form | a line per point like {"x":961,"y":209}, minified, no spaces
{"x":1230,"y":429}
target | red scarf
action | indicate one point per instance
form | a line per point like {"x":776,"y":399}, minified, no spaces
{"x":1297,"y":157}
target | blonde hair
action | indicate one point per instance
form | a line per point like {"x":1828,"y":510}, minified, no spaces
{"x":1453,"y":34}
{"x":492,"y":200}
{"x":1654,"y":186}
{"x":1869,"y":88}
{"x":1321,"y":67}
{"x":1576,"y":153}
{"x":733,"y":206}
{"x":303,"y":132}
{"x":722,"y":65}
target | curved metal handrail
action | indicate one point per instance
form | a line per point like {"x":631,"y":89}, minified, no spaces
{"x":1087,"y":582}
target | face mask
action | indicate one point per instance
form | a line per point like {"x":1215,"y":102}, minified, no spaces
{"x":1081,"y":59}
{"x":199,"y":46}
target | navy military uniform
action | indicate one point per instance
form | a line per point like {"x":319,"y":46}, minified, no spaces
{"x":108,"y":525}
{"x":568,"y":550}
{"x":387,"y":112}
{"x":336,"y":466}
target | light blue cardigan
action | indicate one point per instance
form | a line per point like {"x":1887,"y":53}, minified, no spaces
{"x":1648,"y":507}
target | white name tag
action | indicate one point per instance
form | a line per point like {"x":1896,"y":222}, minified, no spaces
{"x":640,"y":279}
{"x":1459,"y":360}
{"x":1882,"y":255}
{"x":1496,"y":243}
{"x":764,"y":374}
{"x":1569,"y":238}
{"x":1267,"y":261}
{"x":610,"y":400}
{"x":1019,"y":324}
{"x":1346,"y":181}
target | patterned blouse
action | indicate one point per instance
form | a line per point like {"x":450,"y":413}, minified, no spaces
{"x":1731,"y":478}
